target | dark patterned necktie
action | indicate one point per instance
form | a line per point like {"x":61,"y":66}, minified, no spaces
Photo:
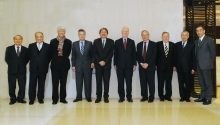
{"x":125,"y":43}
{"x":199,"y":42}
{"x":166,"y":50}
{"x":144,"y":52}
{"x":18,"y":52}
{"x":183,"y":44}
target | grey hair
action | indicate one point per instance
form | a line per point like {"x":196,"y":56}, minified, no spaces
{"x":61,"y":28}
{"x":125,"y":27}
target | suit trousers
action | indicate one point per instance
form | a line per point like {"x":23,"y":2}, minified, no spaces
{"x":86,"y":77}
{"x":127,"y":75}
{"x":205,"y":82}
{"x":184,"y":84}
{"x":164,"y":76}
{"x":102,"y":75}
{"x":37,"y":79}
{"x":147,"y":80}
{"x":12,"y":86}
{"x":59,"y":76}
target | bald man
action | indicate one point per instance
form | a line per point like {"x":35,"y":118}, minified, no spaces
{"x":125,"y":64}
{"x":16,"y":57}
{"x":39,"y":54}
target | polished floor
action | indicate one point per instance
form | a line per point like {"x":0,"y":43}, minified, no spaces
{"x":113,"y":113}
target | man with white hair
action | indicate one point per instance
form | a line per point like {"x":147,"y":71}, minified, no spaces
{"x":60,"y":48}
{"x":125,"y":64}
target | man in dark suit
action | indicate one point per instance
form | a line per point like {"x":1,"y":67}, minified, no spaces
{"x":146,"y":57}
{"x":16,"y":57}
{"x":165,"y":66}
{"x":82,"y":64}
{"x":205,"y":57}
{"x":125,"y":64}
{"x":60,"y":49}
{"x":185,"y":65}
{"x":39,"y":55}
{"x":103,"y":51}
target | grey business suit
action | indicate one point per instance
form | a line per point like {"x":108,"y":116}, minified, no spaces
{"x":82,"y":64}
{"x":205,"y":56}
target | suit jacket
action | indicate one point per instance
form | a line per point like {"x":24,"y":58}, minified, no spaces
{"x":58,"y":61}
{"x":205,"y":53}
{"x":104,"y":54}
{"x":125,"y":58}
{"x":185,"y":57}
{"x":39,"y":60}
{"x":85,"y":60}
{"x":16,"y":65}
{"x":164,"y":62}
{"x":150,"y":56}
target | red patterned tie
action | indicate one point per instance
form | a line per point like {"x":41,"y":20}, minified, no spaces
{"x":144,"y":53}
{"x":125,"y":43}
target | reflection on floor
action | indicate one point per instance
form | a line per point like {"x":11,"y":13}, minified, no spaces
{"x":113,"y":113}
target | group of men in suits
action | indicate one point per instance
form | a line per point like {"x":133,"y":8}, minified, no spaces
{"x":164,"y":56}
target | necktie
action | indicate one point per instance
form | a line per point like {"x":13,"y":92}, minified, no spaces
{"x":82,"y":48}
{"x":199,"y":42}
{"x":183,"y":44}
{"x":18,"y":52}
{"x":38,"y":46}
{"x":144,"y":52}
{"x":125,"y":43}
{"x":166,"y":50}
{"x":103,"y":43}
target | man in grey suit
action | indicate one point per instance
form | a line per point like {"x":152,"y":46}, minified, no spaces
{"x":82,"y":65}
{"x":205,"y":56}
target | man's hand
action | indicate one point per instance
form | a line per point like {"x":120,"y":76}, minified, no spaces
{"x":115,"y":67}
{"x":134,"y":68}
{"x":92,"y":65}
{"x":192,"y":71}
{"x":73,"y":69}
{"x":102,"y":63}
{"x":144,"y":65}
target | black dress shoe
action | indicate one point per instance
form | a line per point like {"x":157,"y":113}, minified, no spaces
{"x":143,"y":99}
{"x":41,"y":101}
{"x":162,"y":100}
{"x":97,"y":100}
{"x":199,"y":100}
{"x":106,"y":100}
{"x":187,"y":100}
{"x":31,"y":102}
{"x":76,"y":100}
{"x":21,"y":101}
{"x":181,"y":100}
{"x":150,"y":100}
{"x":207,"y":102}
{"x":168,"y":99}
{"x":121,"y":100}
{"x":89,"y":100}
{"x":64,"y":101}
{"x":12,"y":102}
{"x":130,"y":100}
{"x":54,"y":102}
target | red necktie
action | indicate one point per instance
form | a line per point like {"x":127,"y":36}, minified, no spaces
{"x":125,"y":43}
{"x":144,"y":53}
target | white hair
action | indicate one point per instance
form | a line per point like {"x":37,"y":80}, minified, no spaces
{"x":61,"y":28}
{"x":125,"y":27}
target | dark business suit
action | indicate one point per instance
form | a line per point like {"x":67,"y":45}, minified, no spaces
{"x":59,"y":67}
{"x":103,"y":72}
{"x":16,"y":70}
{"x":184,"y":63}
{"x":39,"y":63}
{"x":205,"y":57}
{"x":124,"y":60}
{"x":82,"y":64}
{"x":165,"y":69}
{"x":147,"y":76}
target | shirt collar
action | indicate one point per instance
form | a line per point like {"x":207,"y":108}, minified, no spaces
{"x":202,"y":37}
{"x":18,"y":46}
